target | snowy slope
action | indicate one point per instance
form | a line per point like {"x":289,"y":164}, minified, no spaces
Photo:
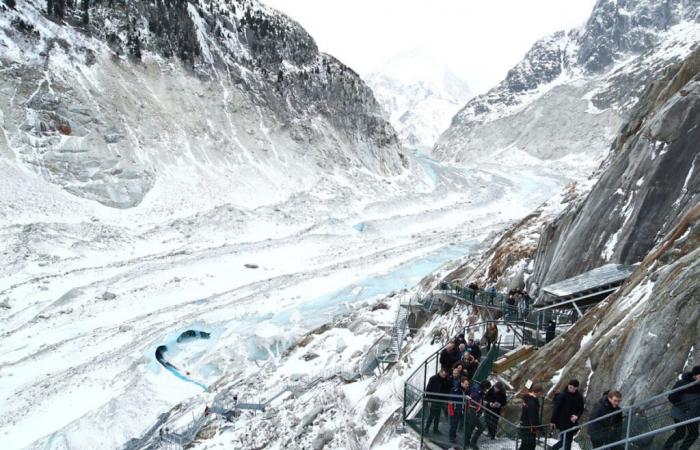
{"x":419,"y":94}
{"x":568,"y":96}
{"x":232,"y":99}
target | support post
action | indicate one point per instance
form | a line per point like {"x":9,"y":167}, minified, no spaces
{"x":577,"y":309}
{"x":630,"y":417}
{"x":422,"y":422}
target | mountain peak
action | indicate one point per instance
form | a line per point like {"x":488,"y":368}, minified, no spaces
{"x":420,"y":95}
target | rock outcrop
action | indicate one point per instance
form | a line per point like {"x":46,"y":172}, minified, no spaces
{"x":109,"y":99}
{"x":645,"y":207}
{"x":572,"y":91}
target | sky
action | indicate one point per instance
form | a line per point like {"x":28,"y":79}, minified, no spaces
{"x":478,"y":39}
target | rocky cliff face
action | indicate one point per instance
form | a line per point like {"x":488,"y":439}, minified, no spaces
{"x":645,"y":207}
{"x":567,"y":98}
{"x":649,"y":182}
{"x":108,"y":100}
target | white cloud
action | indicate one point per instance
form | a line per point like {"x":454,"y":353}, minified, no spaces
{"x":479,"y":39}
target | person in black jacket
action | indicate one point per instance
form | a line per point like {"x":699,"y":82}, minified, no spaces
{"x":607,"y":430}
{"x":530,"y":418}
{"x":473,"y":348}
{"x":449,"y":356}
{"x":438,"y":384}
{"x":551,"y":331}
{"x":686,"y":406}
{"x":494,"y":400}
{"x":567,"y":410}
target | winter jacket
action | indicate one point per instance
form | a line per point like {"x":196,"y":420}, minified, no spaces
{"x":474,"y":350}
{"x":458,"y":401}
{"x":608,"y":429}
{"x":566,"y":405}
{"x":437,"y":385}
{"x":477,"y":399}
{"x":447,"y":359}
{"x":495,"y":401}
{"x":686,"y":402}
{"x":530,"y":415}
{"x":470,"y":368}
{"x":491,"y":334}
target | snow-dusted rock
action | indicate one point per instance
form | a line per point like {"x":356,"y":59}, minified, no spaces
{"x":109,"y":102}
{"x":566,"y":99}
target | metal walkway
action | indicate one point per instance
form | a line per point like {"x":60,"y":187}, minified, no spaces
{"x":398,"y":334}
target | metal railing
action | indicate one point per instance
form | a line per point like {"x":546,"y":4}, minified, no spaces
{"x":535,"y":319}
{"x":449,"y":419}
{"x":419,"y":378}
{"x":644,"y":424}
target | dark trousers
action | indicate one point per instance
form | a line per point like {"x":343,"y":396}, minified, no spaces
{"x":528,"y":440}
{"x":454,"y":423}
{"x":433,"y":417}
{"x":565,"y":441}
{"x":690,"y":432}
{"x":475,"y":426}
{"x":491,"y":424}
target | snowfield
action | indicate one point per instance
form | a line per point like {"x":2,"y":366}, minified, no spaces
{"x":89,"y":292}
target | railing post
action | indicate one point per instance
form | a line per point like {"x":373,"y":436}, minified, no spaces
{"x":422,"y":421}
{"x":630,"y":417}
{"x":405,"y":399}
{"x":425,"y":375}
{"x":465,"y":414}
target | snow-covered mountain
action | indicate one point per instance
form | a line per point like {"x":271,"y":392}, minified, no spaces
{"x":114,"y":100}
{"x":567,"y":98}
{"x":172,"y":166}
{"x":419,"y":94}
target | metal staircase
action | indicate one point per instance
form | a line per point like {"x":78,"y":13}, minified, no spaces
{"x":398,"y":334}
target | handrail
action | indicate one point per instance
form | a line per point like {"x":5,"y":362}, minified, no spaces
{"x":650,"y":433}
{"x":464,"y":330}
{"x":633,"y":406}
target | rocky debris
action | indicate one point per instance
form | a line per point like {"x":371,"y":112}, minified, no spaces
{"x":106,"y":295}
{"x":324,"y":437}
{"x":372,"y":409}
{"x":380,"y":306}
{"x":5,"y":304}
{"x":310,"y":416}
{"x":309,"y":356}
{"x":251,"y":266}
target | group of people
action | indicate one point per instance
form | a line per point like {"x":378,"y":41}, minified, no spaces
{"x":519,"y":302}
{"x":454,"y":391}
{"x":477,"y":405}
{"x":466,"y":401}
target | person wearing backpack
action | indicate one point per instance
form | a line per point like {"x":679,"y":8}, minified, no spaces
{"x":686,"y":406}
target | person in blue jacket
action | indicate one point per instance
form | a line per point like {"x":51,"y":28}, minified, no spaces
{"x":459,"y":402}
{"x":476,"y":424}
